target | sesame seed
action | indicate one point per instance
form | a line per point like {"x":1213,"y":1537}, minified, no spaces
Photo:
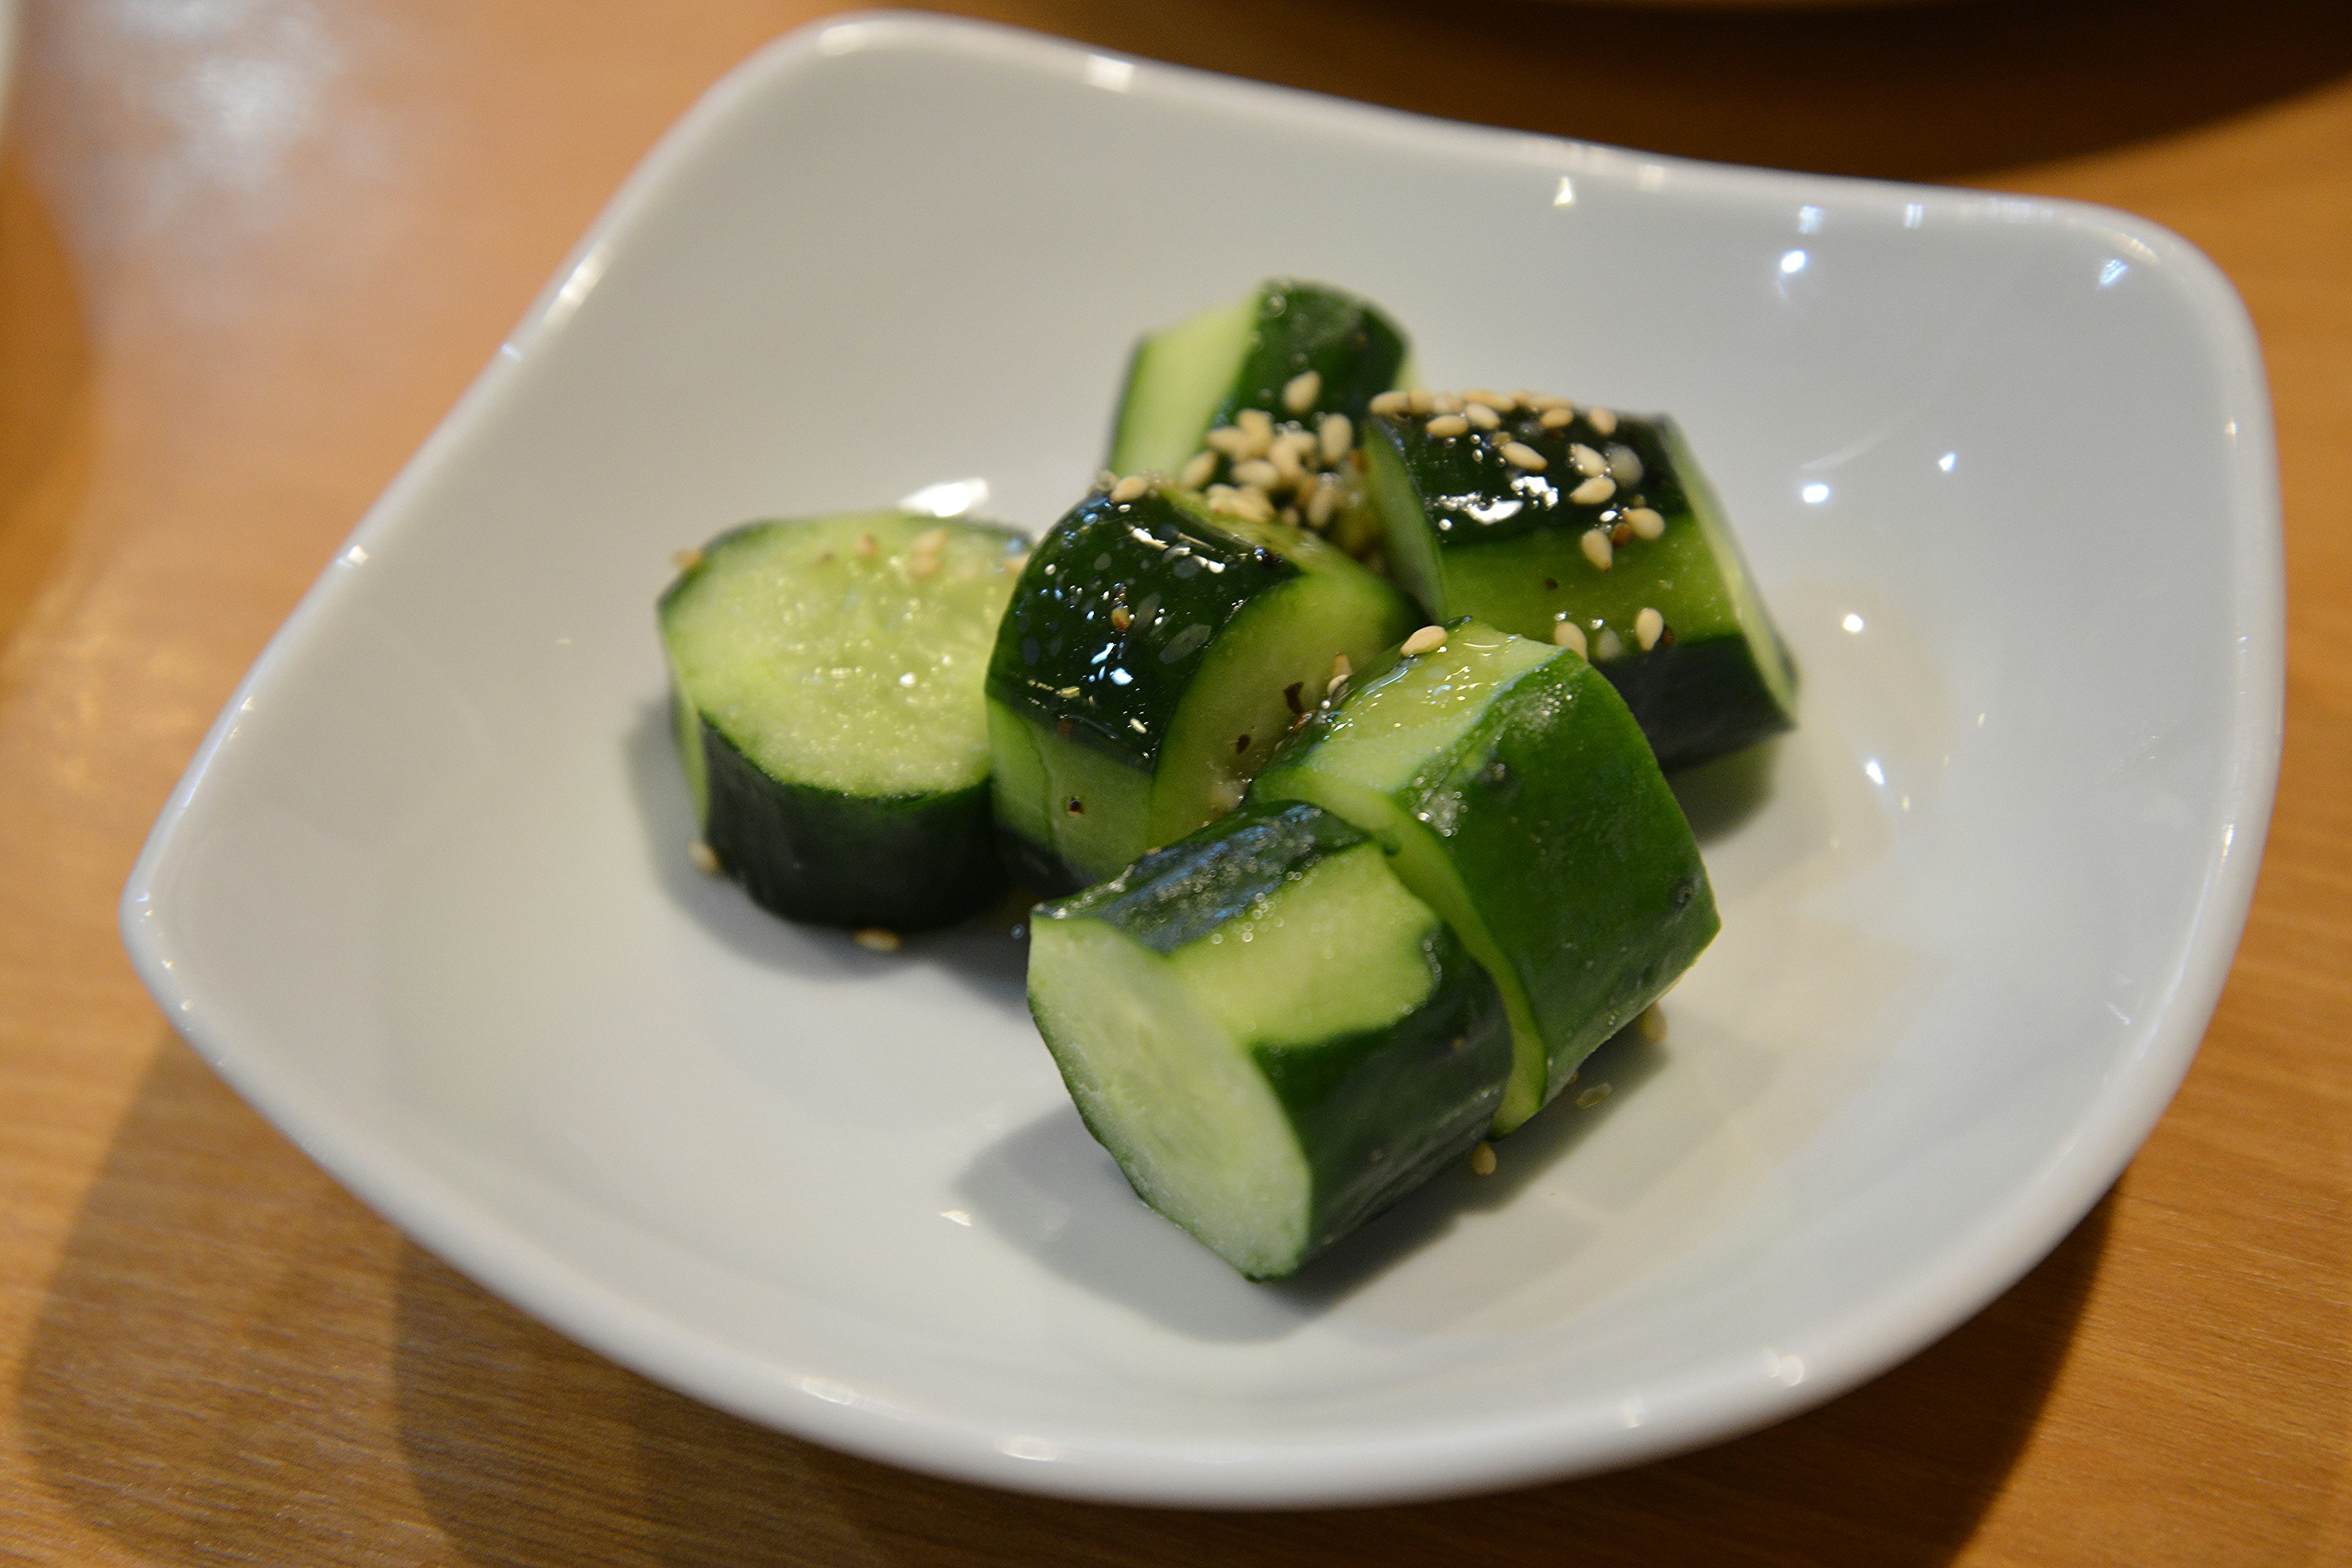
{"x":876,"y":939}
{"x":1480,"y":415}
{"x":705,"y":858}
{"x":1424,"y":640}
{"x":1603,"y":420}
{"x":1519,"y":455}
{"x":1227,"y":439}
{"x":1421,"y":400}
{"x":1625,"y":465}
{"x":1557,"y":418}
{"x":931,"y":539}
{"x":1445,"y":402}
{"x":1392,"y":403}
{"x":1105,"y":479}
{"x":1568,"y":635}
{"x":1256,"y":423}
{"x":1300,"y":393}
{"x":1130,"y":488}
{"x":1500,"y":402}
{"x":1340,"y":670}
{"x":685,"y":559}
{"x":1646,"y":523}
{"x":922,"y":564}
{"x":867,"y":545}
{"x":1121,"y":618}
{"x":1067,"y":692}
{"x":1199,"y":471}
{"x":1653,"y":1023}
{"x":1322,"y":504}
{"x":1592,"y":1097}
{"x":1446,"y":424}
{"x":1647,"y":627}
{"x":1335,"y":435}
{"x":1253,"y":503}
{"x":1587,"y":461}
{"x":1482,"y":1159}
{"x":1546,"y":401}
{"x":1224,"y":796}
{"x":1014,"y":563}
{"x":1286,"y":465}
{"x":1595,"y":545}
{"x":1608,"y":645}
{"x":1593,"y":492}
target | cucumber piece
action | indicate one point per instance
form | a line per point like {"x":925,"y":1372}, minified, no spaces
{"x":1522,"y":803}
{"x":1470,"y":532}
{"x":1273,"y":1037}
{"x":1203,"y":371}
{"x":825,"y":678}
{"x":1153,"y":657}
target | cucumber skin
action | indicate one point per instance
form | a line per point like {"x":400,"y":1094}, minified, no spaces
{"x":1437,"y":1077}
{"x":909,"y":863}
{"x":1523,"y":806}
{"x":1698,"y":698}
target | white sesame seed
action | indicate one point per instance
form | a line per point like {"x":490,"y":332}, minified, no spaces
{"x":867,"y":545}
{"x":1334,"y":435}
{"x":1546,"y":401}
{"x":1256,"y":471}
{"x":1593,"y":492}
{"x":1557,"y":418}
{"x":1482,"y":1159}
{"x":1121,"y":618}
{"x":1227,"y":439}
{"x":1501,"y":402}
{"x":1603,"y":420}
{"x":1592,"y":1097}
{"x":1625,"y":465}
{"x":1322,"y":503}
{"x":705,"y":858}
{"x":1587,"y":461}
{"x":1392,"y":403}
{"x":1253,"y":504}
{"x":1424,"y":640}
{"x":1653,"y":1023}
{"x":1421,"y":400}
{"x":1199,"y":470}
{"x":685,"y":559}
{"x":1256,"y":422}
{"x":1648,"y":626}
{"x":1595,"y":545}
{"x":1340,"y":670}
{"x":1446,"y":424}
{"x":1132,"y":488}
{"x":1608,"y":646}
{"x":1568,"y":635}
{"x":1300,"y":393}
{"x":1519,"y":455}
{"x":922,"y":564}
{"x":876,"y":939}
{"x":1445,"y":402}
{"x":1645,"y":522}
{"x":1480,"y":415}
{"x":930,"y":541}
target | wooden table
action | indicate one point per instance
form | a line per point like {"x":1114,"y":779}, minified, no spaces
{"x":250,"y":252}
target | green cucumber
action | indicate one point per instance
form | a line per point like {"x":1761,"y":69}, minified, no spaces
{"x":1521,"y":802}
{"x":1470,"y":532}
{"x":1274,"y":1038}
{"x":825,"y":678}
{"x":1203,"y":371}
{"x":1153,"y":657}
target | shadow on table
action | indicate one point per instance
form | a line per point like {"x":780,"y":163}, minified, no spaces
{"x":1910,"y":91}
{"x":44,"y":424}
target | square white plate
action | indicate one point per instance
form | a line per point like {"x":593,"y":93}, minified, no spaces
{"x":2005,"y":469}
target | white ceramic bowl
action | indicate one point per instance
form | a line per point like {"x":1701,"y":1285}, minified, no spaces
{"x":2005,"y":469}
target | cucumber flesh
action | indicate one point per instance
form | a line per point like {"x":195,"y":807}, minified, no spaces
{"x":1468,"y":531}
{"x":1520,"y":801}
{"x":1273,"y":1037}
{"x":1152,"y":658}
{"x":1205,"y":369}
{"x":826,"y":679}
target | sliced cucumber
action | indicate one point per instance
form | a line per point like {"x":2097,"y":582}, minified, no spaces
{"x":1272,"y":1037}
{"x":1203,"y":371}
{"x":1644,"y":568}
{"x":1152,"y":658}
{"x":826,"y":675}
{"x":1522,"y":803}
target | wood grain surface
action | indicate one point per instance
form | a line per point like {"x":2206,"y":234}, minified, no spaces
{"x":250,"y":251}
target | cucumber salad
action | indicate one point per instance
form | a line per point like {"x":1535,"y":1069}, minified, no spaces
{"x":1334,"y":724}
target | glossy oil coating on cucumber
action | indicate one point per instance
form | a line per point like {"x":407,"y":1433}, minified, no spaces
{"x":1152,"y":658}
{"x":1274,"y":1038}
{"x":1521,"y":802}
{"x":1548,"y":517}
{"x":1252,"y":354}
{"x":826,"y":676}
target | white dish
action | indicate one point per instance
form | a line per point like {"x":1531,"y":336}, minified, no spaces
{"x":2004,"y":467}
